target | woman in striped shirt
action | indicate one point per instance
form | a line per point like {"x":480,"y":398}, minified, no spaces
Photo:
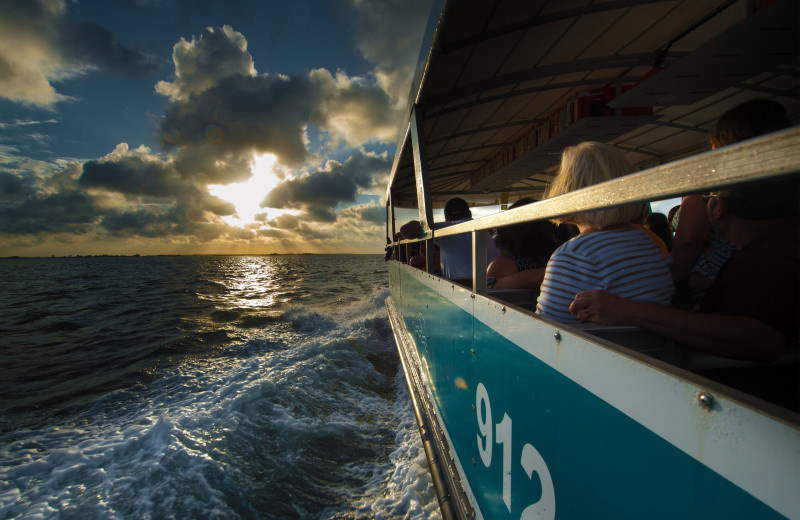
{"x":610,"y":253}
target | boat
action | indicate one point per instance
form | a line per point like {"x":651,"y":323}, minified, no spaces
{"x":524,"y":417}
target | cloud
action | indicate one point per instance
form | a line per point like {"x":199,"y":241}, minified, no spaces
{"x":369,"y":213}
{"x":318,"y":193}
{"x":70,"y":211}
{"x":389,"y":33}
{"x":216,"y":54}
{"x":241,"y":113}
{"x":14,"y":187}
{"x":93,"y":45}
{"x":19,"y":123}
{"x":221,"y":112}
{"x":132,"y":172}
{"x":142,"y":176}
{"x":220,"y":101}
{"x":41,"y":46}
{"x":354,"y":111}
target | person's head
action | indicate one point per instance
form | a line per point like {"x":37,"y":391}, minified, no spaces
{"x":671,"y":217}
{"x":521,"y":202}
{"x":659,"y":224}
{"x":750,"y":119}
{"x":536,"y":240}
{"x":456,"y":209}
{"x":765,"y":200}
{"x":591,"y":163}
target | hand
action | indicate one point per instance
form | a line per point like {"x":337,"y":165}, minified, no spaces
{"x":600,"y":307}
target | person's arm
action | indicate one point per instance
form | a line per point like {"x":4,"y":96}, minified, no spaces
{"x":501,"y":266}
{"x":411,"y":230}
{"x":729,"y":336}
{"x":693,"y":230}
{"x":527,"y":279}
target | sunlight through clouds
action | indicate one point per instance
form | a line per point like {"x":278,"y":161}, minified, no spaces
{"x":247,"y":195}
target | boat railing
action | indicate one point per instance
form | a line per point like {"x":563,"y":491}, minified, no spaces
{"x":761,"y":158}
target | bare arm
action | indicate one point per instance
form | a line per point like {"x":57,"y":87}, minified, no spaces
{"x":693,"y":230}
{"x":500,"y":267}
{"x":738,"y":337}
{"x":527,"y":279}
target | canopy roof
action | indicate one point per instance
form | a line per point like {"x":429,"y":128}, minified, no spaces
{"x":503,"y":85}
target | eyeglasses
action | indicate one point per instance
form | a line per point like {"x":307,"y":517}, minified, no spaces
{"x":708,"y":197}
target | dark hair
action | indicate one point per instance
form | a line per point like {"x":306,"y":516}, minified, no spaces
{"x":764,"y":200}
{"x":456,"y":209}
{"x":775,"y":199}
{"x":750,"y":119}
{"x":659,"y":224}
{"x":536,"y":240}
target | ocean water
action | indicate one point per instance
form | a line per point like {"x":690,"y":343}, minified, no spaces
{"x":204,"y":387}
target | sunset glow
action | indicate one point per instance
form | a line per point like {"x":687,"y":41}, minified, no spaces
{"x":134,"y":136}
{"x":247,"y":196}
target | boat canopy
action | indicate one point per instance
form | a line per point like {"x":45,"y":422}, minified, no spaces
{"x":502,"y":86}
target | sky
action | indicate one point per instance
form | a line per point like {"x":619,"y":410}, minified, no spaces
{"x":201,"y":126}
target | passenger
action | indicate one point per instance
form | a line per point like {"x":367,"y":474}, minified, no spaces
{"x":455,"y":252}
{"x":524,"y":252}
{"x":639,"y":222}
{"x":698,"y":251}
{"x":658,"y":224}
{"x":751,"y":311}
{"x":610,"y":253}
{"x":419,"y":259}
{"x":671,"y":218}
{"x":566,"y":231}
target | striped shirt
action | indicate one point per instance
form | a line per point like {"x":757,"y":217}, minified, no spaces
{"x":625,"y":262}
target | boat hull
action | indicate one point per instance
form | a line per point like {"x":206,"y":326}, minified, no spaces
{"x":543,"y":420}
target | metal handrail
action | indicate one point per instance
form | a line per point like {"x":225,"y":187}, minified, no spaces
{"x":761,"y":158}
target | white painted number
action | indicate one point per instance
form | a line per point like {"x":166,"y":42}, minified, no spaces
{"x":545,"y":508}
{"x":504,"y":438}
{"x":484,"y":425}
{"x":531,"y":460}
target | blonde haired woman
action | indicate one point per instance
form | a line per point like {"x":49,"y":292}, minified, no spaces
{"x":610,"y":253}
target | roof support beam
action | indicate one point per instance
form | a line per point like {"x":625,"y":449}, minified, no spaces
{"x":423,"y":182}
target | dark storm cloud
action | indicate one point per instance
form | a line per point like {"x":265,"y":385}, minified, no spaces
{"x":244,"y":113}
{"x":160,"y":222}
{"x":137,"y":174}
{"x":130,"y":221}
{"x":92,"y":44}
{"x":14,"y":187}
{"x":321,"y":191}
{"x":132,"y":176}
{"x":70,"y":212}
{"x":205,"y":165}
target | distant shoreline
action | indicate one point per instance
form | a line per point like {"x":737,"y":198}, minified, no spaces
{"x":17,"y":257}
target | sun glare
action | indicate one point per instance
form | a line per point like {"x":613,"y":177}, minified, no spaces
{"x":246,"y":196}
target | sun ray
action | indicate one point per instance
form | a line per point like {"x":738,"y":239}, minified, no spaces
{"x":246,"y":196}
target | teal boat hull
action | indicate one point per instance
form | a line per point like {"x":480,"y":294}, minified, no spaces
{"x":543,"y":421}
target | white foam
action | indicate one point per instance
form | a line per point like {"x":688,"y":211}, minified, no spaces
{"x":182,"y":445}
